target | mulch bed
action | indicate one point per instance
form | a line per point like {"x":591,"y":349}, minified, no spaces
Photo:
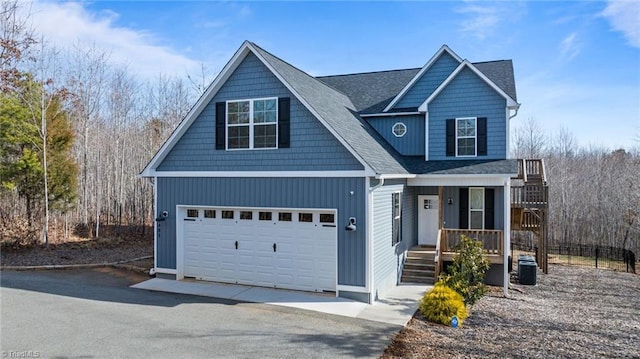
{"x":571,"y":313}
{"x":96,"y":251}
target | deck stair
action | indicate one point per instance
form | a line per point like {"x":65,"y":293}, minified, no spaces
{"x":419,"y":266}
{"x":530,"y":202}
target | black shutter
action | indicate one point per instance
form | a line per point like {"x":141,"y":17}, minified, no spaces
{"x":220,"y":125}
{"x":451,"y":137}
{"x":464,"y":208}
{"x":489,"y":211}
{"x":284,"y":122}
{"x":482,"y":136}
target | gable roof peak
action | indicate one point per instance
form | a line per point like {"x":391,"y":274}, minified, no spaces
{"x":443,"y":49}
{"x":511,"y":102}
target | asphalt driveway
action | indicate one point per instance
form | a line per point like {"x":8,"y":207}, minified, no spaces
{"x":94,"y":314}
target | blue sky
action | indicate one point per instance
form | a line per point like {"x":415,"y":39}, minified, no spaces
{"x":577,"y":63}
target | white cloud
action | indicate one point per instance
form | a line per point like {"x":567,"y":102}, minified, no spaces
{"x":624,"y":16}
{"x":66,"y":24}
{"x":484,"y":17}
{"x":570,"y":46}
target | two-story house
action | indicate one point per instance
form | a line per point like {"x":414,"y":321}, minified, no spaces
{"x":280,"y":179}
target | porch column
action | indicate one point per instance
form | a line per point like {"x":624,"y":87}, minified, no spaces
{"x":440,"y":207}
{"x":507,"y":235}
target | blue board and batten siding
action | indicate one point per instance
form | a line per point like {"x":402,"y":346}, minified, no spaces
{"x":430,"y":80}
{"x":312,"y":146}
{"x":451,"y":213}
{"x":315,"y":193}
{"x":412,"y":143}
{"x":468,"y":96}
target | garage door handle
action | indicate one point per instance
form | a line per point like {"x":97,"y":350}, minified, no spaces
{"x":236,"y":244}
{"x":274,"y":247}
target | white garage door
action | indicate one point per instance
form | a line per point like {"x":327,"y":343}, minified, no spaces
{"x":293,"y":249}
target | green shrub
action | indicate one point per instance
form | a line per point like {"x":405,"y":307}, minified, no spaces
{"x":466,"y":274}
{"x":441,"y":303}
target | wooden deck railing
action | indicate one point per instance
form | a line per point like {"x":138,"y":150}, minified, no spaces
{"x":529,"y":196}
{"x":532,"y":170}
{"x":492,"y":240}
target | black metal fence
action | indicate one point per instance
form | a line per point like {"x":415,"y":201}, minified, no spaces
{"x":603,"y":257}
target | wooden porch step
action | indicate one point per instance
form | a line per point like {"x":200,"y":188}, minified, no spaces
{"x":417,"y":279}
{"x":414,"y":265}
{"x":419,"y":265}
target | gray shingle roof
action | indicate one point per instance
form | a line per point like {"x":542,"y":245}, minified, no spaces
{"x":371,"y":92}
{"x":337,"y":110}
{"x":417,"y":165}
{"x":501,"y":73}
{"x":339,"y":101}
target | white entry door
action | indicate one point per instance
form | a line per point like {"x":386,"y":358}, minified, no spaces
{"x":427,"y":220}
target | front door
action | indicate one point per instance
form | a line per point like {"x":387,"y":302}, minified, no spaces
{"x":427,"y":220}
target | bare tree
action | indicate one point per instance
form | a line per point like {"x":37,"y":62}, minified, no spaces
{"x":530,"y":140}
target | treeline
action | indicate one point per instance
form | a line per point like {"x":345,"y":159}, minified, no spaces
{"x":77,"y":130}
{"x":594,"y":192}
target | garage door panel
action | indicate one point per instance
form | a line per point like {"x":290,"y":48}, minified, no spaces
{"x":304,"y":259}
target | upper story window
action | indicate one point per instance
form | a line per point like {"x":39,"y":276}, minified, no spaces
{"x":252,"y":124}
{"x":466,"y":136}
{"x":399,"y":129}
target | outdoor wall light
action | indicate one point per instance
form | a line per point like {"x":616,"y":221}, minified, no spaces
{"x":449,"y":200}
{"x":351,"y":227}
{"x":163,"y":216}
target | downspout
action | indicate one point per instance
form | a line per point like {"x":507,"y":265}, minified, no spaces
{"x":380,"y":184}
{"x":515,"y":113}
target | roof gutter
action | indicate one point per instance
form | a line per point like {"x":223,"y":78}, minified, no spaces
{"x":395,"y":176}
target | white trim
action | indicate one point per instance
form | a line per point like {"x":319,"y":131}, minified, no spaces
{"x":351,"y":288}
{"x":434,"y":58}
{"x":213,"y":89}
{"x":426,"y":136}
{"x":507,"y":235}
{"x":155,"y":223}
{"x":181,"y":213}
{"x":396,"y":176}
{"x":475,"y":137}
{"x":425,"y":105}
{"x":493,"y":180}
{"x":193,"y":113}
{"x":398,"y":217}
{"x":390,"y":114}
{"x":393,"y":129}
{"x":166,"y":271}
{"x":310,"y":108}
{"x":484,"y":205}
{"x":508,"y":134}
{"x":251,"y":124}
{"x":253,"y":174}
{"x":369,"y":236}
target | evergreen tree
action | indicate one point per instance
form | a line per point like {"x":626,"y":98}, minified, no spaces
{"x":22,"y":136}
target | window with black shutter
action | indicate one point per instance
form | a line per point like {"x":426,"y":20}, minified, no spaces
{"x":466,"y":137}
{"x":253,"y":124}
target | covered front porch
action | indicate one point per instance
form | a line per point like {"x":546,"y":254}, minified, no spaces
{"x":475,"y":204}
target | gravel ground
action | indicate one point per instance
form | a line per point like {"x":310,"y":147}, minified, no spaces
{"x":571,"y":313}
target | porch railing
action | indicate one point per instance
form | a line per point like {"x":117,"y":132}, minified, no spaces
{"x":492,"y":240}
